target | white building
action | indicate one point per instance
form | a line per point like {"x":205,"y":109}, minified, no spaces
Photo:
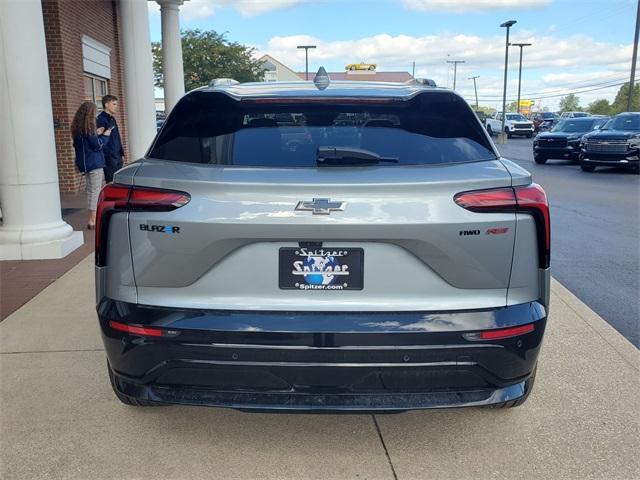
{"x":51,"y":61}
{"x":276,"y":71}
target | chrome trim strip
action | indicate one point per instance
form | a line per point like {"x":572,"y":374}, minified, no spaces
{"x":327,"y":364}
{"x":349,"y":347}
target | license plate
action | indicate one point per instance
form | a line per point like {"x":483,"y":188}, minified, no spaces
{"x":323,"y":268}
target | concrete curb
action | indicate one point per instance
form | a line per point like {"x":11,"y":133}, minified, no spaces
{"x":609,"y":334}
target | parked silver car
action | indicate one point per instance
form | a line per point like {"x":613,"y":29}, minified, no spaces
{"x":375,"y":253}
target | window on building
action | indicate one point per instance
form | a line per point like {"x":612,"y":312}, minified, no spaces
{"x":96,"y":63}
{"x":94,"y":89}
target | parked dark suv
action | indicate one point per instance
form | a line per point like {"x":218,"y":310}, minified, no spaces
{"x":563,"y":141}
{"x":616,"y":144}
{"x":363,"y":257}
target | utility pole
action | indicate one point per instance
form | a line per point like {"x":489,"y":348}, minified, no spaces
{"x":475,"y":89}
{"x":413,"y":74}
{"x":306,"y":59}
{"x":502,"y":137}
{"x":521,"y":45}
{"x":633,"y":61}
{"x":455,"y":70}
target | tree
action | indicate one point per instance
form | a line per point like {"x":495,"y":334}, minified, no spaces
{"x":600,"y":107}
{"x":570,"y":103}
{"x":208,"y":55}
{"x":620,"y":102}
{"x":512,"y":107}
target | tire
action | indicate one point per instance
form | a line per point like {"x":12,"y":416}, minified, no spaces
{"x":489,"y":130}
{"x":371,"y":67}
{"x":529,"y":135}
{"x":126,"y":399}
{"x":539,"y":159}
{"x":519,"y":401}
{"x":587,"y":168}
{"x":509,"y":135}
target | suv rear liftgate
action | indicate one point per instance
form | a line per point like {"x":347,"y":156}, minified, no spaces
{"x":362,"y":253}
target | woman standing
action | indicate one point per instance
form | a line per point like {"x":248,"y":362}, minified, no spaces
{"x":88,"y":142}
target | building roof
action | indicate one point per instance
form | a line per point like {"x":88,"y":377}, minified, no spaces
{"x":365,"y":75}
{"x":336,"y":88}
{"x":269,"y":58}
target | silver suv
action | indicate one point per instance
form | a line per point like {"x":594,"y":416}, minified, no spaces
{"x":322,"y":246}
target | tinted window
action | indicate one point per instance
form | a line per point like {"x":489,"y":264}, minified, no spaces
{"x":431,"y":128}
{"x":624,"y":122}
{"x":516,"y":116}
{"x":574,"y":126}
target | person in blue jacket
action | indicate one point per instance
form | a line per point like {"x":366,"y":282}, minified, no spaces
{"x":89,"y":142}
{"x":113,"y":151}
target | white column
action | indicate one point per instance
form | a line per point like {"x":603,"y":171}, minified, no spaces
{"x":32,"y":225}
{"x":138,"y":76}
{"x":172,"y":68}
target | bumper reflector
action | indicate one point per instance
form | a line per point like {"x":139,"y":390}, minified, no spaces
{"x":500,"y":333}
{"x":147,"y":332}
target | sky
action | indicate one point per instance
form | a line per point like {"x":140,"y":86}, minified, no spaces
{"x":580,"y":46}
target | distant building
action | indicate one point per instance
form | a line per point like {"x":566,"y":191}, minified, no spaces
{"x":367,"y":76}
{"x":276,"y":71}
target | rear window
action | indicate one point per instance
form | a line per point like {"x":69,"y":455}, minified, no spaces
{"x":574,"y":126}
{"x":212,"y":128}
{"x":624,"y":122}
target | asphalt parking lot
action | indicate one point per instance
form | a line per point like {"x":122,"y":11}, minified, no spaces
{"x":595,"y":239}
{"x":60,"y":420}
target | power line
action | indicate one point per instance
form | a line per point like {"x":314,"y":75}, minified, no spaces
{"x":559,"y":95}
{"x":563,"y":91}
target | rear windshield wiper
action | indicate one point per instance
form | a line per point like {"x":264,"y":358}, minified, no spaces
{"x":336,"y":156}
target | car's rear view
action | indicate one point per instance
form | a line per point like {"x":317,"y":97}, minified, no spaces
{"x":359,"y":247}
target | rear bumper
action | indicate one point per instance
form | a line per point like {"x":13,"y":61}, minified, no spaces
{"x":325,"y":362}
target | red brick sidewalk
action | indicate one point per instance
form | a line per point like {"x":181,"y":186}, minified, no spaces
{"x":20,"y":281}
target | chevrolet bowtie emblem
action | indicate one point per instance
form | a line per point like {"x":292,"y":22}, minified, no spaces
{"x":321,"y":206}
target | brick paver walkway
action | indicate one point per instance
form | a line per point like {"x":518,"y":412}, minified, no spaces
{"x":21,"y":280}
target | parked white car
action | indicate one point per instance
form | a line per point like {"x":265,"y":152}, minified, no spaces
{"x":514,"y":124}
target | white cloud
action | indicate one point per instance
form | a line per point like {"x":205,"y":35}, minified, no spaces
{"x":432,"y":51}
{"x":560,"y":64}
{"x":198,"y":9}
{"x":463,"y":6}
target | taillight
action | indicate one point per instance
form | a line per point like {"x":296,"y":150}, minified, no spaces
{"x":530,"y":199}
{"x":500,"y":333}
{"x":124,"y":198}
{"x":132,"y":329}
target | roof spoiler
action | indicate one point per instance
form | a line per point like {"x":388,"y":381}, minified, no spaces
{"x":427,"y":82}
{"x":218,"y":82}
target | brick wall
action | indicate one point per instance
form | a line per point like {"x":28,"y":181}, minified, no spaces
{"x":65,"y":21}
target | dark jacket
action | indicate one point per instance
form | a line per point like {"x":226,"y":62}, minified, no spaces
{"x":113,"y":151}
{"x":89,"y":151}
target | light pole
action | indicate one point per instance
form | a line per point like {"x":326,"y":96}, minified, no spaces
{"x":503,"y":138}
{"x":306,"y":59}
{"x":521,"y":45}
{"x":633,"y":61}
{"x":455,"y":70}
{"x":475,"y":89}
